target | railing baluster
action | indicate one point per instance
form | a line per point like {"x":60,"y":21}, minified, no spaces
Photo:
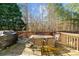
{"x":74,"y":42}
{"x":71,"y":41}
{"x":67,"y":39}
{"x":77,"y":44}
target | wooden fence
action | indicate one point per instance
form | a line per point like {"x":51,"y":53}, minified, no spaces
{"x":70,"y":39}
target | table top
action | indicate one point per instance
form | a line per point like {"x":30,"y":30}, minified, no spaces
{"x":41,"y":36}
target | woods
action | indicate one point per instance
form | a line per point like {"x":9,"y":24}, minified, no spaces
{"x":60,"y":17}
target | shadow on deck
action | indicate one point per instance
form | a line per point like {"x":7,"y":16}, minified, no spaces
{"x":13,"y":50}
{"x":62,"y":50}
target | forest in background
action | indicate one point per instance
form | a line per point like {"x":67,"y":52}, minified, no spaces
{"x":50,"y":17}
{"x":60,"y":17}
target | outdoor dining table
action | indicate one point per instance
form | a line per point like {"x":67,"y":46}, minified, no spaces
{"x":45,"y":41}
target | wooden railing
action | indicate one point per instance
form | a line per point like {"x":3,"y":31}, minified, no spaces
{"x":70,"y":39}
{"x":27,"y":34}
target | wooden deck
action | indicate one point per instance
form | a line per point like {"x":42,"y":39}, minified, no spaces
{"x":67,"y":45}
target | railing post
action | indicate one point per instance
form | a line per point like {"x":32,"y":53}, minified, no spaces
{"x":67,"y":40}
{"x":63,"y":39}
